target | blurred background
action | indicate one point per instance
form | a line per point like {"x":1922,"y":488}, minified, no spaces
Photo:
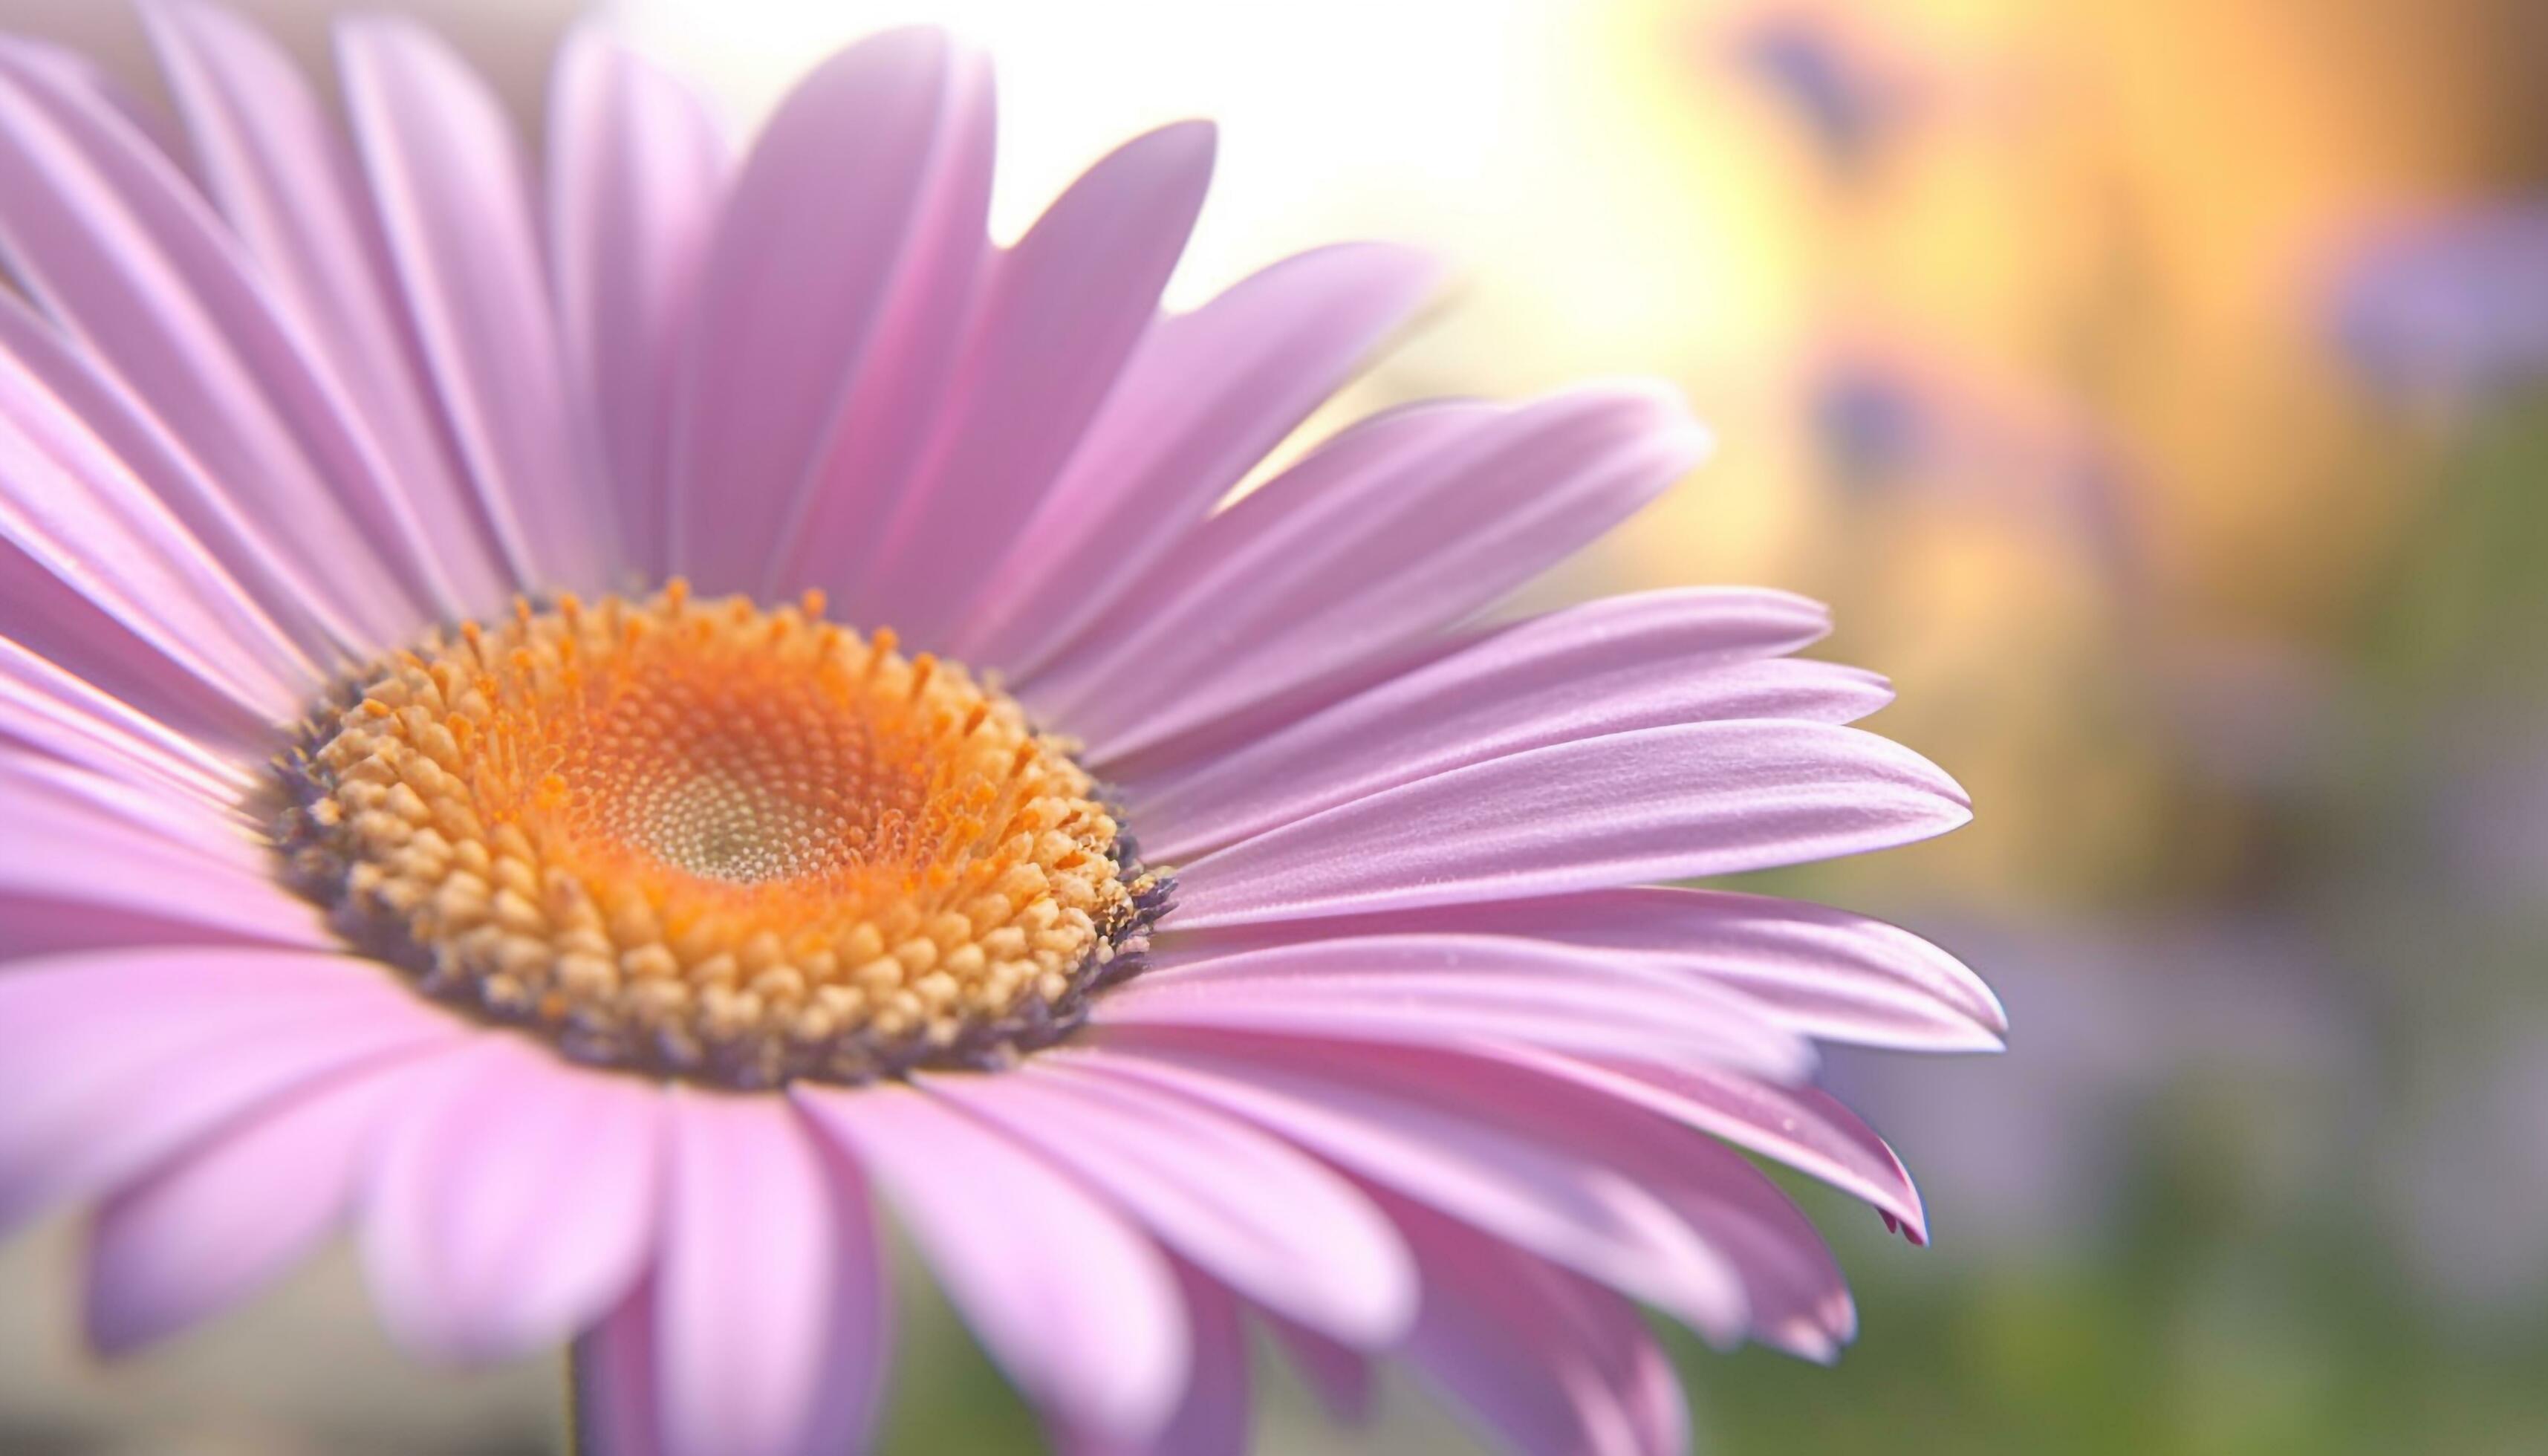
{"x":2159,"y":389}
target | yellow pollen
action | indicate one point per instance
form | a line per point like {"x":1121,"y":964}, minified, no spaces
{"x":696,"y":837}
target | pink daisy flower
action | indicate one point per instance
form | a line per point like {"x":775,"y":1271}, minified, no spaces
{"x":593,"y":736}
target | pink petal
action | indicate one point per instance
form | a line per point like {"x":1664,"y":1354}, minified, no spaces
{"x":1281,"y":1228}
{"x":770,"y":1318}
{"x":122,"y":250}
{"x":890,"y":408}
{"x":1496,"y":1147}
{"x":1609,"y":667}
{"x":1061,"y":316}
{"x":1213,"y":1418}
{"x":1791,"y":1292}
{"x":1656,"y":803}
{"x":1361,"y":460}
{"x":1323,"y":581}
{"x":51,"y":619}
{"x":1806,"y":1129}
{"x":106,"y":850}
{"x":212,"y":1227}
{"x":279,"y":169}
{"x":1206,"y":395}
{"x":1820,"y":973}
{"x":617,"y":1395}
{"x":219,"y":833}
{"x":448,"y":181}
{"x":1447,"y":991}
{"x":513,"y":1204}
{"x":637,"y":174}
{"x":50,"y":708}
{"x":804,"y":272}
{"x":250,"y":550}
{"x":67,"y":502}
{"x":1074,"y":1302}
{"x":121,"y":1059}
{"x":75,"y":70}
{"x":1537,"y":1359}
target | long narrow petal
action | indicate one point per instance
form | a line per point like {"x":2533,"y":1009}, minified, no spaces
{"x":637,"y":174}
{"x":1446,"y":990}
{"x":253,"y":550}
{"x":219,"y":834}
{"x":1212,"y":1417}
{"x":1804,"y":1128}
{"x":1206,"y":397}
{"x":1820,"y":973}
{"x":45,"y":707}
{"x":1554,"y":1169}
{"x":121,"y":1059}
{"x":1362,"y":459}
{"x":1061,"y":315}
{"x":67,"y":501}
{"x":448,"y":179}
{"x":228,"y":1217}
{"x":277,"y":165}
{"x":102,"y":853}
{"x":53,"y":618}
{"x":119,"y":248}
{"x":1609,"y":667}
{"x":513,"y":1204}
{"x":1356,"y":572}
{"x":1276,"y":1225}
{"x":1074,"y":1302}
{"x":1535,"y":1358}
{"x":804,"y":268}
{"x":772,"y":1319}
{"x":617,"y":1395}
{"x":1654,"y":805}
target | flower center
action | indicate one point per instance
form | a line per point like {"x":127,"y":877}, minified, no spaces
{"x":705,"y":839}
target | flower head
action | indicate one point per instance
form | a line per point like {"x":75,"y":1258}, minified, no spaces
{"x":600,"y":742}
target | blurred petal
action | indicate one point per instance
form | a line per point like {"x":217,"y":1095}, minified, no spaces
{"x":111,"y":852}
{"x":1537,"y":1359}
{"x":1212,"y":1417}
{"x":448,"y":178}
{"x":1256,"y":1213}
{"x":121,"y":1059}
{"x":1500,"y":1148}
{"x":1206,"y":395}
{"x":636,"y":177}
{"x":120,"y":250}
{"x":1060,"y":314}
{"x":513,"y":1204}
{"x":1074,"y":1302}
{"x":215,"y":1225}
{"x":616,"y":1392}
{"x":71,"y":506}
{"x":770,"y":1320}
{"x":803,"y":268}
{"x":278,"y":167}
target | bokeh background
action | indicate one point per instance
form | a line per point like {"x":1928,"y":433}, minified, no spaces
{"x":2159,"y":389}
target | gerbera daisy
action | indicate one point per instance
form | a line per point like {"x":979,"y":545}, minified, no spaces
{"x":595,"y":736}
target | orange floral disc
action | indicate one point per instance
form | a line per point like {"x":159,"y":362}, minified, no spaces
{"x":711,"y":840}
